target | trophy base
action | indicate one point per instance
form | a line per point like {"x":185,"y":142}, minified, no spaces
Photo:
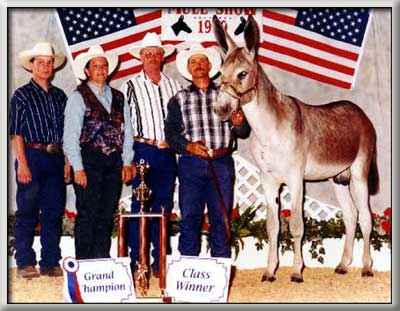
{"x":154,"y":299}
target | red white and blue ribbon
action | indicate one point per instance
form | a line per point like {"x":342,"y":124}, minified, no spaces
{"x":71,"y":266}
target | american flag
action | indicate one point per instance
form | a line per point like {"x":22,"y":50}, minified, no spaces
{"x":115,"y":29}
{"x":324,"y":44}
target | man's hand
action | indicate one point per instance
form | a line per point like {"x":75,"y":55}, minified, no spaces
{"x":80,"y":178}
{"x":24,"y":174}
{"x":67,"y":171}
{"x":126,"y":174}
{"x":237,"y":117}
{"x":198,"y":148}
{"x":134,"y":170}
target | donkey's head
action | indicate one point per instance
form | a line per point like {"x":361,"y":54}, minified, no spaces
{"x":240,"y":69}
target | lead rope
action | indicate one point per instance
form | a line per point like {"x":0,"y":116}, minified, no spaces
{"x":221,"y":201}
{"x":232,"y":146}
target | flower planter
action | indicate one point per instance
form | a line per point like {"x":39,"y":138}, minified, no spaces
{"x":250,"y":258}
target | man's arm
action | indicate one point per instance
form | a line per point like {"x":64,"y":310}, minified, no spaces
{"x":73,"y":123}
{"x":174,"y":127}
{"x":129,"y":170}
{"x":17,"y":121}
{"x":24,"y":175}
{"x":241,"y":127}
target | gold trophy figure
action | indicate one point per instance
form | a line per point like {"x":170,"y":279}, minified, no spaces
{"x":142,"y":194}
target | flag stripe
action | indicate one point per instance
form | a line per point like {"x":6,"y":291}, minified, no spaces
{"x":311,"y":35}
{"x":308,"y":66}
{"x":324,"y":45}
{"x":284,"y":18}
{"x":306,"y":49}
{"x":140,"y":19}
{"x":304,"y":72}
{"x":122,"y":41}
{"x":310,"y":42}
{"x":307,"y":57}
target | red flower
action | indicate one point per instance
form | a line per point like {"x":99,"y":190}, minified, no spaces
{"x":388,"y":212}
{"x":374,"y":215}
{"x":69,"y":215}
{"x":386,"y":226}
{"x":174,"y":216}
{"x":235,"y":213}
{"x":205,"y":226}
{"x":285,"y":213}
{"x":38,"y":228}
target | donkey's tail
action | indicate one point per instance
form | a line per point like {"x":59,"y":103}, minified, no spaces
{"x":373,"y":177}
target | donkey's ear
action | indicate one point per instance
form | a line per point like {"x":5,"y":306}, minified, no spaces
{"x":223,"y":39}
{"x":252,"y":35}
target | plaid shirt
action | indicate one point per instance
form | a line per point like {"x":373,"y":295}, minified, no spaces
{"x":191,"y":118}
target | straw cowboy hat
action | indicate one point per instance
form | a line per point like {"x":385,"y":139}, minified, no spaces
{"x":151,"y":39}
{"x":94,"y":51}
{"x":40,"y":49}
{"x":212,"y":54}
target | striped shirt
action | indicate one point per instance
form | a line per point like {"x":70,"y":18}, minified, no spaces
{"x":37,"y":115}
{"x":191,"y":118}
{"x":148,"y":104}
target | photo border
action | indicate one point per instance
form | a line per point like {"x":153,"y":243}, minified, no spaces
{"x":5,"y":146}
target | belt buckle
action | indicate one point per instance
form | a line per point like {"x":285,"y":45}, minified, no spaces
{"x":52,"y":148}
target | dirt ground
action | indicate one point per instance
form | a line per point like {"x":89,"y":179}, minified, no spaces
{"x":320,"y":285}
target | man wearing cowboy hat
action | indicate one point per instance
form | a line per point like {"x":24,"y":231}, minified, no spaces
{"x":205,"y":166}
{"x":36,"y":129}
{"x":147,"y":93}
{"x":98,"y":143}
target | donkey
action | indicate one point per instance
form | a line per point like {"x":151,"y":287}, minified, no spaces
{"x":291,"y":142}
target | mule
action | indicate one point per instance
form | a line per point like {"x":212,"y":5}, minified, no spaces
{"x":291,"y":142}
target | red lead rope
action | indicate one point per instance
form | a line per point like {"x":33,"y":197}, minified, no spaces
{"x":221,"y":201}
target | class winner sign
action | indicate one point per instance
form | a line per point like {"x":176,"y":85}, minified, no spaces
{"x":98,"y":280}
{"x":197,"y":279}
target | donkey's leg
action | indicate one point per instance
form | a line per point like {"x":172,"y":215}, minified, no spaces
{"x":350,"y":221}
{"x":271,"y":190}
{"x":359,"y":193}
{"x":296,"y":225}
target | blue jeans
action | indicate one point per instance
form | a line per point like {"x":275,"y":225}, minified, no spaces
{"x":196,"y":187}
{"x":43,"y":200}
{"x":161,"y":180}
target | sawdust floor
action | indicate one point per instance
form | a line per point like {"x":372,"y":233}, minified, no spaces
{"x":320,"y":285}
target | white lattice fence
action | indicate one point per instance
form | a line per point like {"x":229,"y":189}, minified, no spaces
{"x":249,"y":192}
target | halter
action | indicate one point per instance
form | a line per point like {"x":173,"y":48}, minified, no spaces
{"x":238,"y":95}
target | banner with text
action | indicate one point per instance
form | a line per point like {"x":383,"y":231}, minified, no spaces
{"x":98,"y":280}
{"x":197,"y":279}
{"x":195,"y":24}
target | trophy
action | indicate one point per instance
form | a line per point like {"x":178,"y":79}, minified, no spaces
{"x":142,"y":194}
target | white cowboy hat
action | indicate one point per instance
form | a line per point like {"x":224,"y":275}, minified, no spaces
{"x":40,"y":49}
{"x":212,"y":54}
{"x":151,"y":39}
{"x":94,"y":51}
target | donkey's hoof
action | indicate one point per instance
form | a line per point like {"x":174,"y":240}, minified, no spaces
{"x":268,"y":277}
{"x":367,"y":273}
{"x":340,"y":270}
{"x":296,"y":278}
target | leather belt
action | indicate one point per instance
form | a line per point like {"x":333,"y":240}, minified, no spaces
{"x":50,"y":148}
{"x":156,"y":143}
{"x":219,"y":153}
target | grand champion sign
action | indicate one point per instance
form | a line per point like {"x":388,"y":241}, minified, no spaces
{"x":198,"y":279}
{"x":195,"y":24}
{"x":98,"y":280}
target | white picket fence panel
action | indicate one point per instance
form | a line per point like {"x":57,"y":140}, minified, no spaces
{"x":249,"y":192}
